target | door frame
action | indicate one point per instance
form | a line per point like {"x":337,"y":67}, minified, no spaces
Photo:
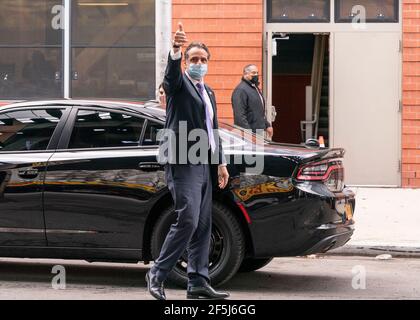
{"x":268,"y":67}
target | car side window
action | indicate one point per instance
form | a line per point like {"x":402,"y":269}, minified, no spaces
{"x":150,"y":135}
{"x":101,"y":129}
{"x":28,"y":130}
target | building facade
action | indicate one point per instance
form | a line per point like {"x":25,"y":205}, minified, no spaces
{"x":411,"y":94}
{"x":348,"y":70}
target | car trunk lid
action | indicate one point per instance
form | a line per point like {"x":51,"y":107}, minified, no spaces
{"x":303,"y":154}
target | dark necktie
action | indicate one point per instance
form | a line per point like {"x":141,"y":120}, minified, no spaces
{"x":209,"y":125}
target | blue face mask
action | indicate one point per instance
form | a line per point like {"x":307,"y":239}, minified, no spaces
{"x":197,"y":71}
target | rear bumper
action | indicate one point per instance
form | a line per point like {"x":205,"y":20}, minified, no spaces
{"x":307,"y":224}
{"x":323,"y":243}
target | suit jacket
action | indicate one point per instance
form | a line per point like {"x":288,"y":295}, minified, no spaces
{"x":248,"y":109}
{"x":185,"y":104}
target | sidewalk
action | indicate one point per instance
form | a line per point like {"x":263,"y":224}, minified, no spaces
{"x":387,"y":221}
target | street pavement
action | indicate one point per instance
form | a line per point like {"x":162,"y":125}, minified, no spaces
{"x":323,"y":277}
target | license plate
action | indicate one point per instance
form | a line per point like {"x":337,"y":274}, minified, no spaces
{"x":349,"y":211}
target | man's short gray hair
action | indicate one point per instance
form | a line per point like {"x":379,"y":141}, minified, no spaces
{"x":199,"y":45}
{"x":248,"y":67}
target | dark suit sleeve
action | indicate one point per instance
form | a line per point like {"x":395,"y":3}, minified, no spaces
{"x":267,"y":124}
{"x":173,"y":76}
{"x":240,"y":106}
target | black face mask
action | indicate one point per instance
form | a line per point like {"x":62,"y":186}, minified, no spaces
{"x":255,"y":80}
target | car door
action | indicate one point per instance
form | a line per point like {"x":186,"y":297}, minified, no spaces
{"x":101,"y":182}
{"x":27,"y":140}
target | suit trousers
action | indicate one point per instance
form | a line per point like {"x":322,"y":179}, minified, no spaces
{"x":191,"y":189}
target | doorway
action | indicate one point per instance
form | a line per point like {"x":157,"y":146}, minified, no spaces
{"x":300,"y":86}
{"x":356,"y":97}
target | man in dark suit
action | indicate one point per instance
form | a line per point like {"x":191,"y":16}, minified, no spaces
{"x":191,"y":105}
{"x":248,"y":103}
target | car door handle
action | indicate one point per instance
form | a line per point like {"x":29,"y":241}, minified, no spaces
{"x":28,"y":173}
{"x":150,"y":166}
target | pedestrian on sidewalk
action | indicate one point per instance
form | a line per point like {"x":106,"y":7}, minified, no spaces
{"x":248,"y":103}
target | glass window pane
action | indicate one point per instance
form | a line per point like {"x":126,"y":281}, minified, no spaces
{"x":30,"y":73}
{"x":374,"y":10}
{"x":28,"y":130}
{"x":150,"y":136}
{"x":98,"y":129}
{"x":30,"y":22}
{"x":298,"y":10}
{"x":116,"y":22}
{"x":114,"y":73}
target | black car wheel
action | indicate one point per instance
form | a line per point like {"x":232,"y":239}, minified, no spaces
{"x":227,"y":246}
{"x":253,"y":264}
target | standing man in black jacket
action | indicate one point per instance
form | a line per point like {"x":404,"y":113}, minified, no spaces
{"x":248,"y":103}
{"x":191,"y":105}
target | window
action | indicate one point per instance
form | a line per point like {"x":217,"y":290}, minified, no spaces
{"x":100,"y":129}
{"x":113,"y":49}
{"x":30,"y":73}
{"x":298,"y":11}
{"x":28,"y":129}
{"x":368,"y":10}
{"x":29,"y":22}
{"x":150,"y":135}
{"x":30,"y":55}
{"x":114,"y":72}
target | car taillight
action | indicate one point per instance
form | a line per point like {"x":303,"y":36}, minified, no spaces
{"x":330,"y":172}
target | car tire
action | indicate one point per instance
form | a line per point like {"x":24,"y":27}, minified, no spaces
{"x":253,"y":264}
{"x":227,"y":246}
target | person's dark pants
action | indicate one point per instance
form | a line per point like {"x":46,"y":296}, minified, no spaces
{"x":191,"y":189}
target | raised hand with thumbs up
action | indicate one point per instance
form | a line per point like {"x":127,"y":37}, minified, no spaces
{"x":180,"y":38}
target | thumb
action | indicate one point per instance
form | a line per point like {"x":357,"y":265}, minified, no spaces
{"x":180,"y":27}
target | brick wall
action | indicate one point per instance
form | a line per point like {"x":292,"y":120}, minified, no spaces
{"x":411,"y":94}
{"x":233,"y":31}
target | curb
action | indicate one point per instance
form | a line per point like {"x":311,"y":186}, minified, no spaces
{"x":369,"y":250}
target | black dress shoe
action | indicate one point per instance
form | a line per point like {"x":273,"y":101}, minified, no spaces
{"x":155,"y":287}
{"x":205,"y":292}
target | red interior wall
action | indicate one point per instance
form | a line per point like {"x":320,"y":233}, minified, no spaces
{"x":289,"y":99}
